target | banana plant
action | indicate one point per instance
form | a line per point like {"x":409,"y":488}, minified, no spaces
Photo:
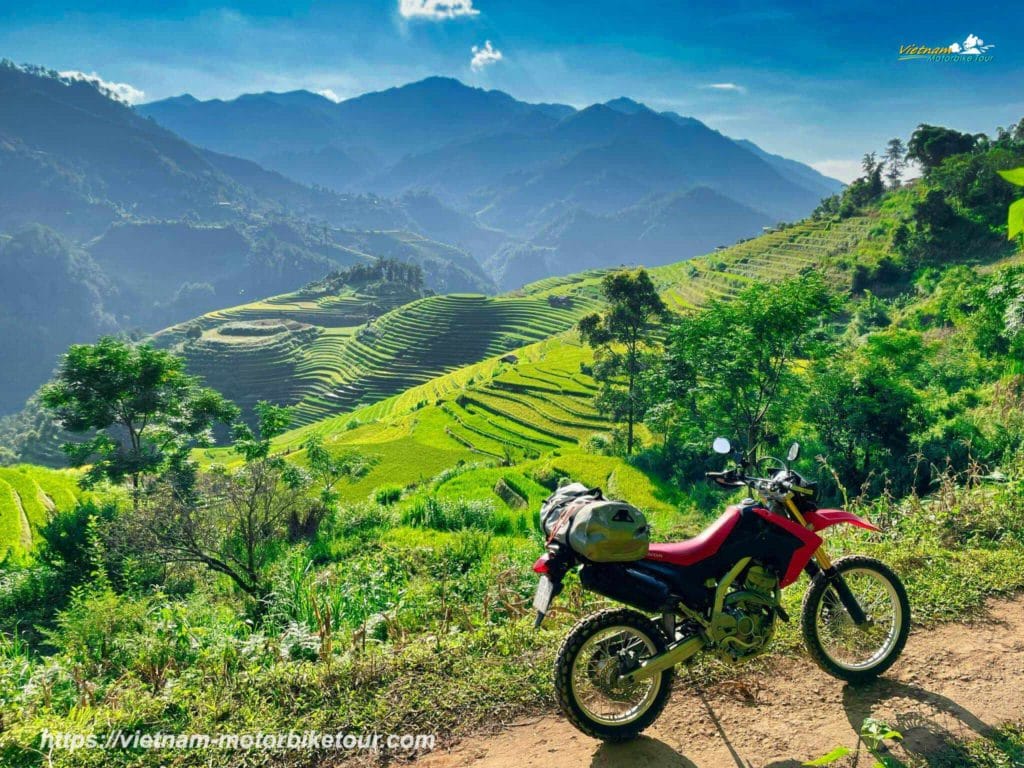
{"x":1015,"y":221}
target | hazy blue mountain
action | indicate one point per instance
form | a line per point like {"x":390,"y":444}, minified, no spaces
{"x":798,"y":173}
{"x":315,"y":140}
{"x":502,"y":170}
{"x":625,"y":158}
{"x":658,"y":230}
{"x":52,"y":294}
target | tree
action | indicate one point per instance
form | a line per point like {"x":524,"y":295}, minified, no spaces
{"x":236,"y":521}
{"x":141,"y":408}
{"x":865,"y":411}
{"x":931,"y":144}
{"x":729,"y":368}
{"x":869,"y":163}
{"x":621,"y":338}
{"x":895,"y":162}
{"x":327,"y":470}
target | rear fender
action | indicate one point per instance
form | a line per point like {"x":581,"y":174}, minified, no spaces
{"x":820,"y":519}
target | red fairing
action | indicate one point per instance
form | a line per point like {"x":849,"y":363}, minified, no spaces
{"x":803,"y":555}
{"x":541,"y":566}
{"x":700,"y":547}
{"x":823,"y":518}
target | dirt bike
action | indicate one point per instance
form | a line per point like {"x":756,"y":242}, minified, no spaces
{"x":721,"y":592}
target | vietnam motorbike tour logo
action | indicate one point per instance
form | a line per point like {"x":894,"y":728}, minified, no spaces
{"x":972,"y":50}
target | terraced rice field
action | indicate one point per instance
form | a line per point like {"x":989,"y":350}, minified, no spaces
{"x":28,"y":498}
{"x":490,"y":412}
{"x":428,"y":389}
{"x":775,"y":256}
{"x":302,"y":353}
{"x":334,"y":354}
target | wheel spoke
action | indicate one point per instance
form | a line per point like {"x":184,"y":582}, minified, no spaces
{"x":853,"y":647}
{"x":596,"y":671}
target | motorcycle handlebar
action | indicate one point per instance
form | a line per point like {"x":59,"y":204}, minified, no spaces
{"x":731,"y":478}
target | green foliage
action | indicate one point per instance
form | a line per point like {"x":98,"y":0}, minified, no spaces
{"x":387,"y":495}
{"x":830,"y":758}
{"x":929,"y":145}
{"x":144,"y":409}
{"x":1015,"y":217}
{"x":633,"y":307}
{"x":461,"y":514}
{"x":864,"y":408}
{"x":68,"y":539}
{"x":729,"y":368}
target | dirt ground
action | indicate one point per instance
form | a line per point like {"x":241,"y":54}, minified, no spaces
{"x":955,"y":681}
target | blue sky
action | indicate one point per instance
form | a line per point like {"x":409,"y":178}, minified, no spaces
{"x":822,"y":85}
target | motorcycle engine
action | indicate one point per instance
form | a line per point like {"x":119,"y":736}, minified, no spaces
{"x":748,"y":616}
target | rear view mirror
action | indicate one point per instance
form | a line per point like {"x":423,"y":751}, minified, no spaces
{"x":721,"y":445}
{"x":794,"y":452}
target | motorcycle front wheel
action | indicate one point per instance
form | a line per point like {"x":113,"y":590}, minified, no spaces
{"x":593,"y":655}
{"x":857,"y":653}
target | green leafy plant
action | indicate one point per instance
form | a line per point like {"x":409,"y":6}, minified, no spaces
{"x":830,"y":758}
{"x":1015,"y":216}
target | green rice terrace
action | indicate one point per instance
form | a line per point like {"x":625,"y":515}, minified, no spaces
{"x":28,"y":497}
{"x":530,"y":409}
{"x":328,"y":354}
{"x":496,"y":432}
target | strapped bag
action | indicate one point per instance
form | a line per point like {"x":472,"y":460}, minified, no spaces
{"x":558,"y":509}
{"x":606,"y":531}
{"x":601,"y":530}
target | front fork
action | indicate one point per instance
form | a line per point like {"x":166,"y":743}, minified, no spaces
{"x":822,"y":563}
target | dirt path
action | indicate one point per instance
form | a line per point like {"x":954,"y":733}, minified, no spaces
{"x":952,"y":682}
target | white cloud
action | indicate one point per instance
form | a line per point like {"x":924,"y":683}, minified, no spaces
{"x":844,"y":170}
{"x":327,"y":93}
{"x":725,"y":87}
{"x":485,"y":56}
{"x":436,"y":10}
{"x":129,"y":94}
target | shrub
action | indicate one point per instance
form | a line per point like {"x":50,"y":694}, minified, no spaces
{"x":67,"y":539}
{"x":386,"y":495}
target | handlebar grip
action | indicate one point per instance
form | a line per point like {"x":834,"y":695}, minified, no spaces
{"x":727,"y":479}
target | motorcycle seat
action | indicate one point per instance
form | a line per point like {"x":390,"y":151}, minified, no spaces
{"x":701,"y":546}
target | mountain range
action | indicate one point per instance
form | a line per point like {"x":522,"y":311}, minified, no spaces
{"x":517,"y":169}
{"x":110,"y":222}
{"x":138,"y":218}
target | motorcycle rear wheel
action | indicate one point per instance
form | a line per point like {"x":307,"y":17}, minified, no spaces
{"x":586,"y":667}
{"x":857,"y":654}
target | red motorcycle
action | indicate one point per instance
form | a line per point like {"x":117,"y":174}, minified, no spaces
{"x":720,"y":592}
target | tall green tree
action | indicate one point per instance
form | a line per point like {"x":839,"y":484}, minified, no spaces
{"x":929,"y":145}
{"x":869,"y":163}
{"x":237,"y":520}
{"x":895,"y":161}
{"x":139,"y":408}
{"x":731,"y":368}
{"x":234,"y":521}
{"x":622,"y":340}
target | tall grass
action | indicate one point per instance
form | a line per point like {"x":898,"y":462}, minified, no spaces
{"x":461,"y":514}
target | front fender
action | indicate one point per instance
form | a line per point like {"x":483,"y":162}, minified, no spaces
{"x":823,"y":518}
